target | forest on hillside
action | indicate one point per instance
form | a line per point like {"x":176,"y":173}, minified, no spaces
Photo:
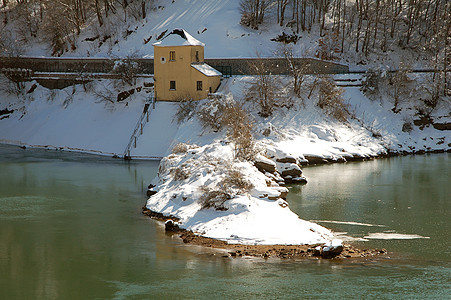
{"x":370,"y":25}
{"x":344,"y":28}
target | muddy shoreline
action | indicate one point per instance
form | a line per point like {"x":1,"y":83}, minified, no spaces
{"x":263,"y":251}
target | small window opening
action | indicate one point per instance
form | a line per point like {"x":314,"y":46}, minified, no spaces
{"x":199,"y":85}
{"x":172,"y":85}
{"x":197,"y":56}
{"x":172,"y":55}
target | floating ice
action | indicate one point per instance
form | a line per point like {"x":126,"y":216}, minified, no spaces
{"x":393,"y":236}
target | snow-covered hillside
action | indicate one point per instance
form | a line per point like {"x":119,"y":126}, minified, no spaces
{"x":215,"y":23}
{"x":78,"y":120}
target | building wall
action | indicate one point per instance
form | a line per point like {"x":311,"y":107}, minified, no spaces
{"x":180,"y":71}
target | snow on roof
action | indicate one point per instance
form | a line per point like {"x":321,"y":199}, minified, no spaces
{"x":206,"y":69}
{"x":179,"y":37}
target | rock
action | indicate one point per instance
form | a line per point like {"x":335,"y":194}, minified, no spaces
{"x":171,"y":226}
{"x":331,"y":249}
{"x":264,"y":164}
{"x":300,"y":180}
{"x":289,"y":169}
{"x":329,"y":252}
{"x":150,"y":193}
{"x":282,"y":203}
{"x":315,"y":160}
{"x":124,"y":95}
{"x":32,"y":88}
{"x":442,"y":126}
{"x":287,"y":159}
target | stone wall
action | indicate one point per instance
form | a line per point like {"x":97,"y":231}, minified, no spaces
{"x":231,"y":66}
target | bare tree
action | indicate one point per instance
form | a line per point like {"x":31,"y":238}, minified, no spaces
{"x":298,"y":68}
{"x":264,"y":88}
{"x":253,"y":12}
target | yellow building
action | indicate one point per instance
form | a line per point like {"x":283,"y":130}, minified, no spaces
{"x":179,"y":68}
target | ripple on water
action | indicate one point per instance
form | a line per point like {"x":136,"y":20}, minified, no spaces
{"x":24,"y":206}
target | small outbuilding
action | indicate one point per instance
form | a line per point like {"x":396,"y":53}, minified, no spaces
{"x":179,"y":69}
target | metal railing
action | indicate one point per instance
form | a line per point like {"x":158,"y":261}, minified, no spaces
{"x":138,"y":130}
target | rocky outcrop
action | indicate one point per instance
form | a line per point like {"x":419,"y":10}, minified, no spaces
{"x":278,"y":165}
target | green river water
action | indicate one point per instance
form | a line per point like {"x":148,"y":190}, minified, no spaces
{"x":71,"y":228}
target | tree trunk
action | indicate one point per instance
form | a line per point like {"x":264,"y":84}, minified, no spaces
{"x":359,"y":25}
{"x":98,"y":13}
{"x":282,"y":11}
{"x":143,"y":8}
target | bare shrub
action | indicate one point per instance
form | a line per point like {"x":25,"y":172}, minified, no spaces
{"x":331,"y":101}
{"x":328,"y":46}
{"x":213,"y":198}
{"x":239,"y":130}
{"x":231,"y":185}
{"x":9,"y":46}
{"x":264,"y":88}
{"x":58,"y":28}
{"x":10,"y":87}
{"x":372,"y":81}
{"x":127,"y":68}
{"x":407,"y":126}
{"x":210,"y":114}
{"x":235,"y":179}
{"x":180,"y":173}
{"x":69,"y":97}
{"x":437,"y":89}
{"x":105,"y":94}
{"x":400,"y":83}
{"x":187,"y":108}
{"x":180,"y":148}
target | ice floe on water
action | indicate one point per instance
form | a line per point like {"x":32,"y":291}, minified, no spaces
{"x":348,"y":223}
{"x":393,"y":236}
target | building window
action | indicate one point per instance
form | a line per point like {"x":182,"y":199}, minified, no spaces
{"x":199,"y":85}
{"x":172,"y":85}
{"x":172,"y":55}
{"x":197,"y":56}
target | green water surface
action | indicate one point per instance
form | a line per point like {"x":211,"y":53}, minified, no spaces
{"x":71,"y":228}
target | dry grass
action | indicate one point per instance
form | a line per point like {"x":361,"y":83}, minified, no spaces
{"x":180,"y":173}
{"x":180,"y":148}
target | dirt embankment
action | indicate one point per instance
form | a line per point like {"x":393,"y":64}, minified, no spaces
{"x":264,"y":251}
